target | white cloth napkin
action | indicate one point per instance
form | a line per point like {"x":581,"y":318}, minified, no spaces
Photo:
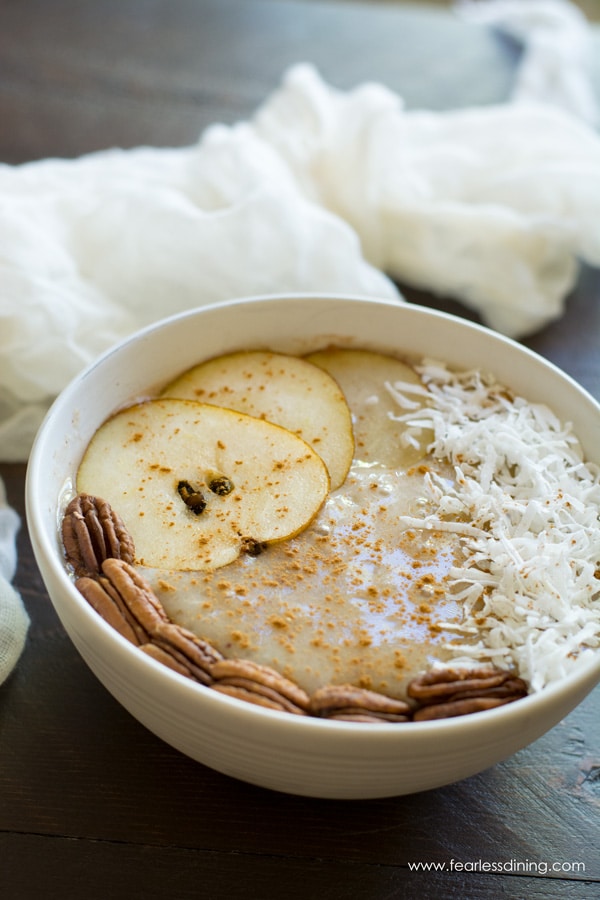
{"x":322,"y":190}
{"x":494,"y":205}
{"x":14,"y":621}
{"x":557,"y":54}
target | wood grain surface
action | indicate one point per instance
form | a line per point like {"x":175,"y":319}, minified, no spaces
{"x":91,"y":804}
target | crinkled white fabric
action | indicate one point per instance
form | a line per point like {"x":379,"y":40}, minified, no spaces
{"x":14,"y":621}
{"x":557,"y":50}
{"x":322,"y":190}
{"x":494,"y":206}
{"x":94,"y":248}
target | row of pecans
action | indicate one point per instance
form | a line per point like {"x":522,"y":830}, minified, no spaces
{"x":101,"y":553}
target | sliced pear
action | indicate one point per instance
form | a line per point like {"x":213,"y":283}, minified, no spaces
{"x":197,"y":484}
{"x":283,"y":389}
{"x":362,"y":376}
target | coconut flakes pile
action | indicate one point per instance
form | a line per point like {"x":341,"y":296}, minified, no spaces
{"x":528,"y":509}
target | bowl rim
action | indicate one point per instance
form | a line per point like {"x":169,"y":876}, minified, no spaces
{"x":582,"y":677}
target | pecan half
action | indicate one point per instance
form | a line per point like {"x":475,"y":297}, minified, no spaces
{"x":109,"y":604}
{"x":185,"y":650}
{"x":164,"y":657}
{"x":258,"y":684}
{"x":183,"y":662}
{"x":92,"y":532}
{"x":124,"y":599}
{"x":443,"y":693}
{"x":353,"y":704}
{"x":136,"y":593}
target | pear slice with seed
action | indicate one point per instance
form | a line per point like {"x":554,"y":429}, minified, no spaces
{"x":286,"y":390}
{"x":196,"y":485}
{"x":362,"y":376}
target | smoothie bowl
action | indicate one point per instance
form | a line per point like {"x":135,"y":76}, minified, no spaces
{"x":331,"y":546}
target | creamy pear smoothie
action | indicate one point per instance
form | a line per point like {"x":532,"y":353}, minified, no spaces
{"x":355,"y":597}
{"x":352,"y":519}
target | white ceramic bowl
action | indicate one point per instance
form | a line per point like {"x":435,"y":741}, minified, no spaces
{"x":289,"y":753}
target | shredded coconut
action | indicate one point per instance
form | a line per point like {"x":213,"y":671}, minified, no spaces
{"x":528,"y":509}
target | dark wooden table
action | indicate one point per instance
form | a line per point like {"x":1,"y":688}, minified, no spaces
{"x":91,"y":804}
